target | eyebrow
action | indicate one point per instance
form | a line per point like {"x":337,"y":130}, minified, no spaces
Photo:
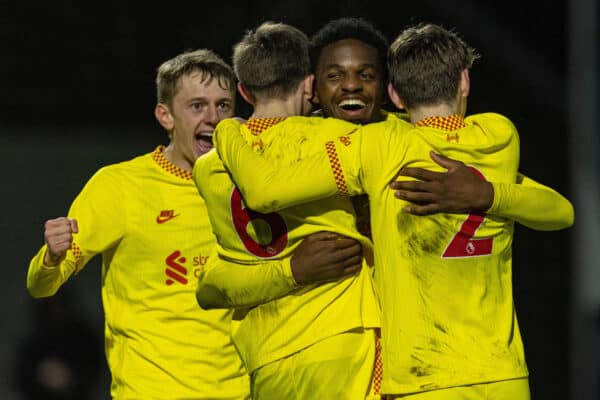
{"x":206,"y":99}
{"x":336,"y":65}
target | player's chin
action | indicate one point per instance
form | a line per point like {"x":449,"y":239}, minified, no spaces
{"x":359,"y":119}
{"x":357,"y":116}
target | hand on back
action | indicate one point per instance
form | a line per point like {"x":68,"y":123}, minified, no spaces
{"x":325,"y":256}
{"x":458,"y":190}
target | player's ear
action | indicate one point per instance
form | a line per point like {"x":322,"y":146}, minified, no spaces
{"x":315,"y":97}
{"x":245,"y":93}
{"x":164,"y":117}
{"x":465,"y":83}
{"x":395,"y":98}
{"x":307,"y":86}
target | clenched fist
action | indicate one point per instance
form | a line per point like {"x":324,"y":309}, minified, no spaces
{"x":58,"y":235}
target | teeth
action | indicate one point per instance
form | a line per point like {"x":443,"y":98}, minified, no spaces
{"x":351,"y":102}
{"x":203,"y":135}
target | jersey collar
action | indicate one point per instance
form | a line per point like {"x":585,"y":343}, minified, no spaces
{"x":449,"y":123}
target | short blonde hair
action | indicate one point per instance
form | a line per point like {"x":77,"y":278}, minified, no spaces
{"x":204,"y":61}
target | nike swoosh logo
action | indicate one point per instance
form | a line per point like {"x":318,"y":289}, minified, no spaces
{"x":161,"y":219}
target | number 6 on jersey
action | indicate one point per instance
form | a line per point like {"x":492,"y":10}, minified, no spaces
{"x":242,"y":216}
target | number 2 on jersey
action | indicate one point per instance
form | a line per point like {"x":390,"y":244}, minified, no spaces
{"x":242,"y":216}
{"x":463,"y":244}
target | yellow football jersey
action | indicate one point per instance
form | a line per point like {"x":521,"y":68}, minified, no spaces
{"x":444,"y":280}
{"x":285,"y":325}
{"x":146,"y":219}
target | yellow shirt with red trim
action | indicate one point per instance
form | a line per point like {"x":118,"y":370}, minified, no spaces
{"x":145,"y":218}
{"x":285,"y":325}
{"x":444,"y":281}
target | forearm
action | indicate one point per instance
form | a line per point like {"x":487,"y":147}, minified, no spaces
{"x":225,"y":284}
{"x":532,"y":204}
{"x":44,"y":281}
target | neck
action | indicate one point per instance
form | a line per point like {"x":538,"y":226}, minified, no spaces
{"x":441,"y":110}
{"x":271,"y":111}
{"x":271,"y":108}
{"x":176,"y":158}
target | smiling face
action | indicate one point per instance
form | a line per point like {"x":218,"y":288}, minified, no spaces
{"x":196,"y":109}
{"x":350,"y":82}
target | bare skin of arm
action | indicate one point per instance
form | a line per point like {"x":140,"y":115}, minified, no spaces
{"x":325,"y":256}
{"x":58,"y":236}
{"x":458,"y":190}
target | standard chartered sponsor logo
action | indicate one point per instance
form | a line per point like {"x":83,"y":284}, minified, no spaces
{"x":176,"y":270}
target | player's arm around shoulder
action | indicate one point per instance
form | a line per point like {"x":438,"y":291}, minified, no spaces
{"x":267,"y":187}
{"x":382,"y":147}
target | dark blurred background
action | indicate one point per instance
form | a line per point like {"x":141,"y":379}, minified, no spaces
{"x":77,"y":80}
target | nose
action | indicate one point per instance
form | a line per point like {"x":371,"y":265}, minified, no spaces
{"x":212,"y":115}
{"x":351,"y":83}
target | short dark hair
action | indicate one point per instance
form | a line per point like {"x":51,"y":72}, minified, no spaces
{"x":272,"y":59}
{"x":349,"y":28}
{"x":425,"y":63}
